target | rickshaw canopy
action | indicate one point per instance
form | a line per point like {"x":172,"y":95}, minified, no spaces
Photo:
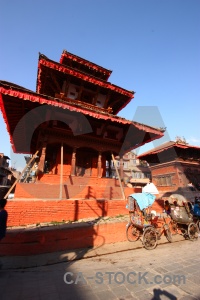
{"x":144,"y":200}
{"x":179,"y":199}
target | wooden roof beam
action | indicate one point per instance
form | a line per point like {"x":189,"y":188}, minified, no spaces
{"x":56,"y":84}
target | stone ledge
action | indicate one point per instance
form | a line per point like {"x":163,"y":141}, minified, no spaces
{"x":48,"y":239}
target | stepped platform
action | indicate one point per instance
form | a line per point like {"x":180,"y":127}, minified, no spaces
{"x":49,"y":187}
{"x":77,"y":198}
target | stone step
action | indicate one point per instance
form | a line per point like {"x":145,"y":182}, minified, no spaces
{"x":52,"y":191}
{"x":77,"y":180}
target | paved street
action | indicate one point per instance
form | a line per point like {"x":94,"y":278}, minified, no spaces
{"x":171,"y":271}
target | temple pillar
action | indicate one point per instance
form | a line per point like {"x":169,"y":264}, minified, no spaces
{"x":121,"y":167}
{"x":73,"y":163}
{"x":109,"y":168}
{"x":42,"y":158}
{"x":61,"y":169}
{"x":99,"y":165}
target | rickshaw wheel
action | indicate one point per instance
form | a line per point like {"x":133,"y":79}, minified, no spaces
{"x":173,"y":227}
{"x":193,"y":231}
{"x":168,"y":234}
{"x":149,"y":238}
{"x":132,"y":233}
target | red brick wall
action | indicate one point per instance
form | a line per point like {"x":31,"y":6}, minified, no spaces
{"x":25,"y":212}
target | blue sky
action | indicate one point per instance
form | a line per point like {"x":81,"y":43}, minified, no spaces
{"x":152,"y":47}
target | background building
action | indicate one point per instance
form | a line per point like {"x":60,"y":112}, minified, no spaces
{"x":135,"y":171}
{"x":175,"y":168}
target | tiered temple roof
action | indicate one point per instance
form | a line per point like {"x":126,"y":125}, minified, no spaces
{"x":56,"y":79}
{"x":172,"y":150}
{"x":73,"y":98}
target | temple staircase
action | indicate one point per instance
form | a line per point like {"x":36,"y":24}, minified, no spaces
{"x":72,"y":187}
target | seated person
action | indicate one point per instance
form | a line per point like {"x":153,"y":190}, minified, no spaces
{"x":167,"y":207}
{"x":196,"y":209}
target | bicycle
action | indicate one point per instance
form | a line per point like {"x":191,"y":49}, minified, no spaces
{"x":144,"y":226}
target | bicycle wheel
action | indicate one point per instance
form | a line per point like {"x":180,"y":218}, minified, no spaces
{"x":193,"y":231}
{"x":149,"y":238}
{"x":132,"y":233}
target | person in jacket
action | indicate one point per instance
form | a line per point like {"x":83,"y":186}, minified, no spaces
{"x":3,"y":220}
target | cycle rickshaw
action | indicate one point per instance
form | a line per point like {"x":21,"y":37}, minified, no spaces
{"x":145,"y":224}
{"x":182,"y":222}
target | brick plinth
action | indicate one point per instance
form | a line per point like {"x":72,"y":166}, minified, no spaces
{"x":63,"y":237}
{"x":40,"y":203}
{"x":58,"y":238}
{"x":38,"y":240}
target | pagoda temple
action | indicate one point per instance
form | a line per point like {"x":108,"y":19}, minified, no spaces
{"x":74,"y":105}
{"x":71,"y":129}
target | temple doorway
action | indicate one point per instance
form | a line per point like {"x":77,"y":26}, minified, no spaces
{"x":53,"y":159}
{"x":85,"y":161}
